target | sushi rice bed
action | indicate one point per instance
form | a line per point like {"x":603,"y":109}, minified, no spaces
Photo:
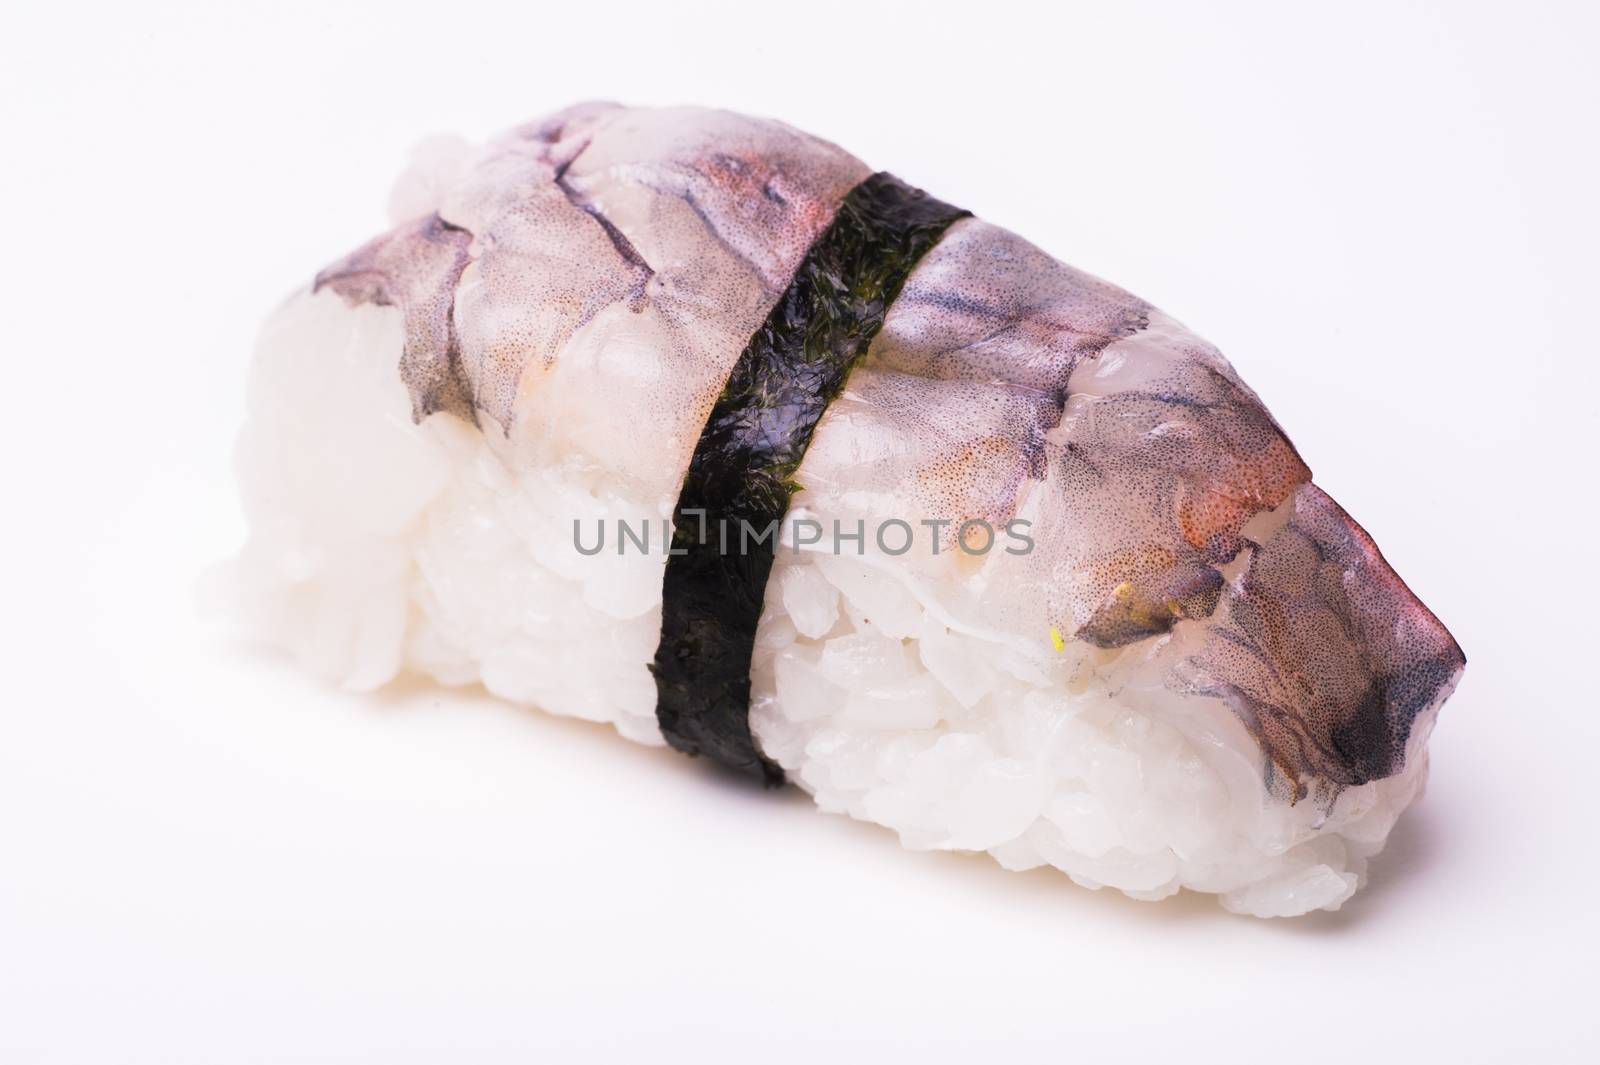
{"x":381,"y":545}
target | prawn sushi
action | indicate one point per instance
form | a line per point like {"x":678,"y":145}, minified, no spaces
{"x":693,"y":424}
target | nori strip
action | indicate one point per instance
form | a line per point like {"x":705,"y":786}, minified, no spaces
{"x":753,"y":441}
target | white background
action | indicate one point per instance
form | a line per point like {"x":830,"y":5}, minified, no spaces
{"x":1384,"y":214}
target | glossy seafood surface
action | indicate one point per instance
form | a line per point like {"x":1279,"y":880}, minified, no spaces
{"x":631,"y":253}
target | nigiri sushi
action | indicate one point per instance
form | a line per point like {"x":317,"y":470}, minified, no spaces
{"x":691,"y":423}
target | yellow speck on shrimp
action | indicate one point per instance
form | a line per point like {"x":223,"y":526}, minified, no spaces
{"x":1055,"y":638}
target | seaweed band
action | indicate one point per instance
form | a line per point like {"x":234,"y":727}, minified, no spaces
{"x":752,"y":443}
